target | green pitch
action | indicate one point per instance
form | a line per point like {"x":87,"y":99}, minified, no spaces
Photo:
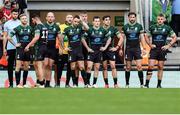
{"x":89,"y":101}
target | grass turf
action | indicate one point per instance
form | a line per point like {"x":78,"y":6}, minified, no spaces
{"x":89,"y":101}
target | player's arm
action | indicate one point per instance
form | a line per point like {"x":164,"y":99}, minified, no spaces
{"x":108,"y":42}
{"x":173,"y":40}
{"x":34,"y":40}
{"x":9,"y":38}
{"x":86,"y":45}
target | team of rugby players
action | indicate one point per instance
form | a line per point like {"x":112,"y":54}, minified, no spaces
{"x":83,"y":46}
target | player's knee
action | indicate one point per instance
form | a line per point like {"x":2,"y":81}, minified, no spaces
{"x":139,"y":67}
{"x":149,"y":72}
{"x":113,"y":66}
{"x":160,"y":67}
{"x":128,"y":68}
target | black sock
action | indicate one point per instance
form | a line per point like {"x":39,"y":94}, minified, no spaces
{"x":73,"y":77}
{"x":115,"y":80}
{"x":140,"y":74}
{"x":41,"y":82}
{"x":18,"y":76}
{"x":47,"y":83}
{"x":37,"y":81}
{"x":159,"y":82}
{"x":127,"y":76}
{"x":88,"y":78}
{"x":84,"y":76}
{"x":77,"y":80}
{"x":106,"y":81}
{"x":95,"y":80}
{"x":25,"y":74}
{"x":147,"y":83}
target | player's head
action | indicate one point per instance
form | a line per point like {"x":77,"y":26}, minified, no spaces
{"x":50,"y":17}
{"x":35,"y":18}
{"x":132,"y":17}
{"x":96,"y":21}
{"x":14,"y":14}
{"x":76,"y":20}
{"x":84,"y":16}
{"x":23,"y":19}
{"x":161,"y":19}
{"x":69,"y":18}
{"x":106,"y":20}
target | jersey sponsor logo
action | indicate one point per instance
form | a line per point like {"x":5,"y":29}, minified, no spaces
{"x":51,"y":37}
{"x":25,"y":38}
{"x":75,"y":38}
{"x":159,"y":38}
{"x":97,"y":40}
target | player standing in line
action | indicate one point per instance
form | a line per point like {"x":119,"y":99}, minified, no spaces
{"x":84,"y":18}
{"x":97,"y":36}
{"x":134,"y":34}
{"x":109,"y":54}
{"x":39,"y":42}
{"x":23,"y":35}
{"x":157,"y":39}
{"x":63,"y":59}
{"x":74,"y":34}
{"x":51,"y":53}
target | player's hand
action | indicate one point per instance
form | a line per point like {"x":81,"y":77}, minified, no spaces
{"x":121,"y":52}
{"x":60,"y":51}
{"x":90,"y":50}
{"x":153,"y":46}
{"x":102,"y":49}
{"x":143,"y":52}
{"x":26,"y":49}
{"x":67,"y":49}
{"x":113,"y":49}
{"x":18,"y":44}
{"x":4,"y":52}
{"x":165,"y":47}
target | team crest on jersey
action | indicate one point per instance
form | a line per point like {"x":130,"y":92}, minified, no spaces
{"x":54,"y":29}
{"x":163,"y":30}
{"x":100,"y":33}
{"x":109,"y":32}
{"x":71,"y":32}
{"x":28,"y":30}
{"x":92,"y":33}
{"x":136,"y":29}
{"x":21,"y":32}
{"x":77,"y":30}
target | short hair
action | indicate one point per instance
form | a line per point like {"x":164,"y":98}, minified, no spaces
{"x":35,"y":16}
{"x":161,"y":15}
{"x":14,"y":10}
{"x":132,"y":13}
{"x":22,"y":15}
{"x":107,"y":16}
{"x":76,"y":16}
{"x":83,"y":12}
{"x":96,"y":17}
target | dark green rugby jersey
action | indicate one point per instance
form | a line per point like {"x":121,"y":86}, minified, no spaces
{"x":132,"y":33}
{"x":160,"y":33}
{"x":74,"y":35}
{"x":97,"y":37}
{"x":113,"y":32}
{"x":23,"y":34}
{"x":53,"y":31}
{"x":41,"y":30}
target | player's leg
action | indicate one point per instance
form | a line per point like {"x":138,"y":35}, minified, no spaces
{"x":89,"y":68}
{"x":105,"y":73}
{"x":40,"y":71}
{"x":25,"y":73}
{"x":114,"y":73}
{"x":127,"y":72}
{"x":83,"y":72}
{"x":18,"y":72}
{"x":140,"y":72}
{"x":49,"y":72}
{"x":96,"y":73}
{"x":73,"y":73}
{"x":60,"y":65}
{"x":151,"y":64}
{"x":160,"y":73}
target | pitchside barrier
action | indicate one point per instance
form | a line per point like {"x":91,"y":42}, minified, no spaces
{"x":171,"y":79}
